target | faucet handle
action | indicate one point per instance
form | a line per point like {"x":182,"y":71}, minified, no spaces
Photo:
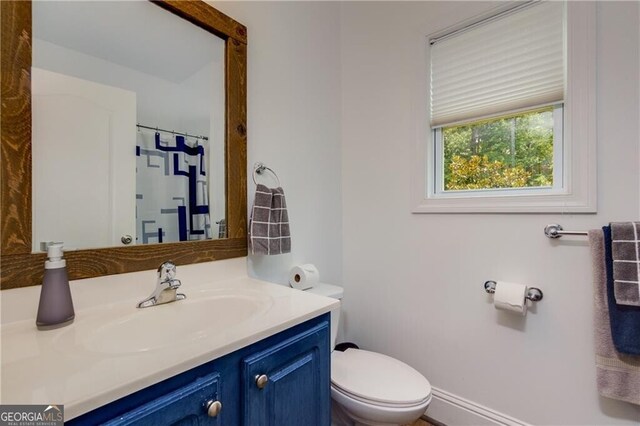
{"x":167,"y":271}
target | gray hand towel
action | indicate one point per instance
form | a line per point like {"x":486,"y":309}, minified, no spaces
{"x":626,"y":262}
{"x":269,"y":228}
{"x":618,"y":376}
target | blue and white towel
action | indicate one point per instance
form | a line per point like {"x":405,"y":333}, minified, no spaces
{"x":269,"y":231}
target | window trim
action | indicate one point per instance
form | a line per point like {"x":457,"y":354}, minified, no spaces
{"x":578,"y":194}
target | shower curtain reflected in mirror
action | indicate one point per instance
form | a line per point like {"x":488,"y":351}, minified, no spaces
{"x":172,"y":194}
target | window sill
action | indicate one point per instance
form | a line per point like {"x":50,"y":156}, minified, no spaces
{"x":507,"y":203}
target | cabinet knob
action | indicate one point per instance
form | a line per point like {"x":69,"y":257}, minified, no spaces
{"x":214,"y":408}
{"x":261,"y":381}
{"x":126,"y":239}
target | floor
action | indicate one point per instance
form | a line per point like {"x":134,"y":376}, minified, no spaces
{"x":420,"y":422}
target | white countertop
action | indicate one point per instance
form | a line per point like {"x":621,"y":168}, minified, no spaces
{"x":63,"y":366}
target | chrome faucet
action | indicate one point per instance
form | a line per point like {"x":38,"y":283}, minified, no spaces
{"x":166,"y":287}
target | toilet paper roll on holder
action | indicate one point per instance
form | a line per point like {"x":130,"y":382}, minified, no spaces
{"x":534,"y":294}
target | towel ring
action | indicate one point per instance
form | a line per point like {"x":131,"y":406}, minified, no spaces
{"x":259,"y":168}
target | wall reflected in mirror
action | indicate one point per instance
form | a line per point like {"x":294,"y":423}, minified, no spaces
{"x":128,"y":126}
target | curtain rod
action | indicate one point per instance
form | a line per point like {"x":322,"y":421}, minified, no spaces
{"x":172,"y":132}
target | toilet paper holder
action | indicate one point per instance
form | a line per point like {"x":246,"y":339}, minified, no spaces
{"x":534,"y":294}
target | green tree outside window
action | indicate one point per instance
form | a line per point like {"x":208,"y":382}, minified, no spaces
{"x":509,"y":152}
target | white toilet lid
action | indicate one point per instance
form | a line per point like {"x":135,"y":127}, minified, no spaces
{"x":378,"y":378}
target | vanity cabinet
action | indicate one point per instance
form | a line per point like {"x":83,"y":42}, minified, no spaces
{"x":281,"y":380}
{"x":282,"y":384}
{"x":188,"y":405}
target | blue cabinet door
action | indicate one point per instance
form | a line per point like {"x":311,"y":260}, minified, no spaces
{"x":288,"y":384}
{"x":186,"y":406}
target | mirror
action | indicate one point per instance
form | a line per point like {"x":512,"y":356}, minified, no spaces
{"x":127,"y":126}
{"x":190,"y":47}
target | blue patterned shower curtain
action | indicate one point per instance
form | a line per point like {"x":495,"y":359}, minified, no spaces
{"x":172,"y":198}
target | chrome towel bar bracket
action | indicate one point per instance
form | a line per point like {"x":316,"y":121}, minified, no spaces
{"x":534,"y":294}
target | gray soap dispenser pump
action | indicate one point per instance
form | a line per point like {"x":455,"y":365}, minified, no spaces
{"x":56,"y":306}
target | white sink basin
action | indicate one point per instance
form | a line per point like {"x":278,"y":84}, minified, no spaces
{"x":125,"y":329}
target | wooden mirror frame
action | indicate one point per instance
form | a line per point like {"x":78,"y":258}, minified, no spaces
{"x":19,"y":267}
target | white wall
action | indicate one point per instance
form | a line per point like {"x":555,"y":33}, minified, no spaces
{"x":413,"y":283}
{"x":184,"y":106}
{"x":294,"y":124}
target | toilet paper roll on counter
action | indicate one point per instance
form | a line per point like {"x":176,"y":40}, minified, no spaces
{"x":304,"y":277}
{"x":510,"y":297}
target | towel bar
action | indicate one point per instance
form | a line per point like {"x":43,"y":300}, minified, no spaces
{"x":554,"y":230}
{"x":534,"y":294}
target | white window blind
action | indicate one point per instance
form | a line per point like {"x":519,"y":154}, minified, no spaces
{"x":511,"y":62}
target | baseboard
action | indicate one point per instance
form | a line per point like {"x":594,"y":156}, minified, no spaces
{"x":453,"y":410}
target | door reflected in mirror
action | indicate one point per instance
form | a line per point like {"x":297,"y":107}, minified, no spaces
{"x":128,"y":128}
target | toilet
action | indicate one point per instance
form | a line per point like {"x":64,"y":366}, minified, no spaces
{"x":369,"y":388}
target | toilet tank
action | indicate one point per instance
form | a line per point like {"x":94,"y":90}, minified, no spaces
{"x":335,"y":292}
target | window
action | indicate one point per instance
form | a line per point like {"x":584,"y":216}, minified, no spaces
{"x":516,"y":151}
{"x":502,"y":90}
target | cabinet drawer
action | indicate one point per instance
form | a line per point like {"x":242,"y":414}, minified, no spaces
{"x":288,"y":384}
{"x":184,"y":406}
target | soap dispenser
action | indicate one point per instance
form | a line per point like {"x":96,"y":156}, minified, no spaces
{"x":55,"y":307}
